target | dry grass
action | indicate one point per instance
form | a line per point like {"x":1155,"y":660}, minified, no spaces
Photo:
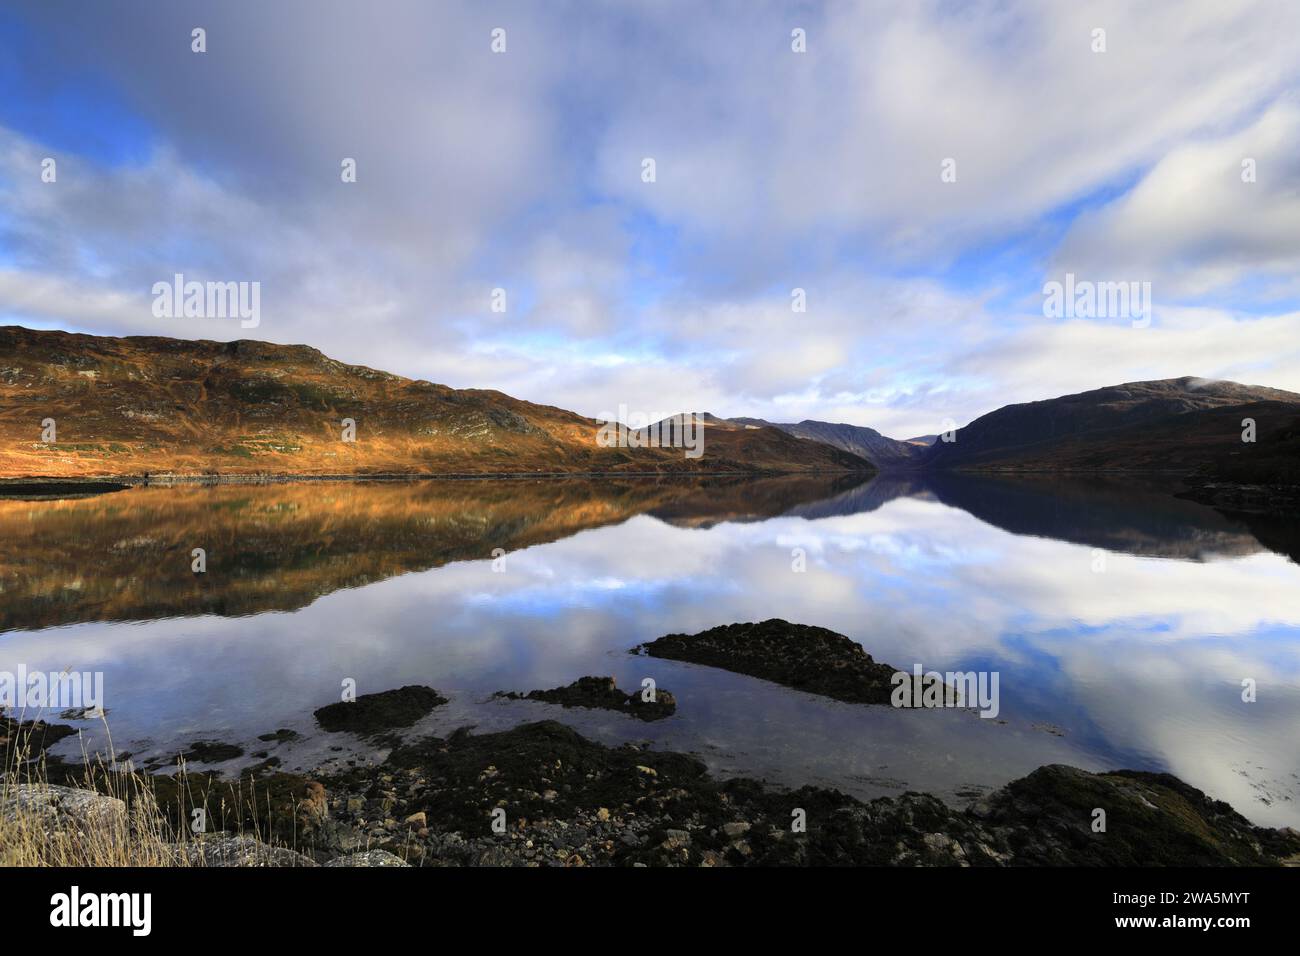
{"x":102,"y":813}
{"x":130,"y":828}
{"x":133,"y":832}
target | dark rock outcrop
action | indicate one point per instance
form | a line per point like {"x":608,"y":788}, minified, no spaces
{"x":376,"y":713}
{"x":601,"y":693}
{"x":811,"y":659}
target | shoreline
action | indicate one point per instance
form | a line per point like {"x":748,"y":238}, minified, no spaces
{"x":122,"y":482}
{"x":541,"y":794}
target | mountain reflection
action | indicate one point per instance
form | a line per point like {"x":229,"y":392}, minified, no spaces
{"x":279,"y":547}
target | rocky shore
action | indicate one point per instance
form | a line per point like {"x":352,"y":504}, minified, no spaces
{"x":541,"y":794}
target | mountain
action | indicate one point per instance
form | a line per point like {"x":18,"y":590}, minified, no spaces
{"x":887,"y":454}
{"x":127,"y":407}
{"x":1175,"y":426}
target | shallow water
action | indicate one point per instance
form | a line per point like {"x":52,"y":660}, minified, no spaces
{"x":1121,"y":621}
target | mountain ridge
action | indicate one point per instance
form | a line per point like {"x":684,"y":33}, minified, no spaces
{"x":140,"y":405}
{"x":1181,"y":425}
{"x":882,"y":451}
{"x":1174,"y":425}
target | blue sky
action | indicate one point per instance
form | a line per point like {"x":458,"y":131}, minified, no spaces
{"x":775,"y":170}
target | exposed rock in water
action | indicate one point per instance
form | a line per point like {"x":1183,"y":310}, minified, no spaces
{"x":212,"y":751}
{"x":28,"y":739}
{"x":810,"y":659}
{"x":601,"y":693}
{"x":376,"y":713}
{"x":279,"y":736}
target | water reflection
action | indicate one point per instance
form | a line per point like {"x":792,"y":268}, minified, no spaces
{"x":1134,"y":663}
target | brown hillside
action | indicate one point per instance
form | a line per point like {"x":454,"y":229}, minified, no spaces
{"x":151,"y":405}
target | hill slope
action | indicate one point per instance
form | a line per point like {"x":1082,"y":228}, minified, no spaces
{"x":132,"y":406}
{"x":1174,"y":425}
{"x":885,"y":453}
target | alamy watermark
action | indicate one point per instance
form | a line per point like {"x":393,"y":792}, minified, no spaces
{"x":952,"y":689}
{"x":208,"y":300}
{"x":75,"y":908}
{"x":60,"y":690}
{"x":1084,"y":299}
{"x":638,"y":430}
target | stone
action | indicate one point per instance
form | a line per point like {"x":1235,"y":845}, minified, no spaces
{"x":368,"y":858}
{"x":224,"y":850}
{"x":64,"y":809}
{"x":372,"y":714}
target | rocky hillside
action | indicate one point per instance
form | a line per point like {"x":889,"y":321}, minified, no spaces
{"x":885,"y":453}
{"x":151,"y":405}
{"x":1174,"y":426}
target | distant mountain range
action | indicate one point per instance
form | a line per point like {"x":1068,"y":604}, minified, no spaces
{"x":127,"y":407}
{"x":887,"y":454}
{"x":1183,"y":426}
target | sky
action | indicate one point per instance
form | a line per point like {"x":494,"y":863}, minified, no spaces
{"x":921,"y":170}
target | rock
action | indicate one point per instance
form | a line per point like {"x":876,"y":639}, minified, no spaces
{"x":601,"y":693}
{"x":280,"y":735}
{"x":211,"y":751}
{"x":368,"y":858}
{"x":313,"y":808}
{"x":28,"y":739}
{"x":811,"y":659}
{"x":569,"y":797}
{"x":220,"y":849}
{"x":64,"y":809}
{"x":1153,"y":819}
{"x":676,"y":839}
{"x":417,"y":820}
{"x":494,"y":856}
{"x":372,"y":714}
{"x":937,"y":841}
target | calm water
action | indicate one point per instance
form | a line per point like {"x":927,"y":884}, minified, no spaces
{"x":1122,"y":621}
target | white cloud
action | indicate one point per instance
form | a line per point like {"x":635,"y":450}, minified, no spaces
{"x":1193,"y":225}
{"x":775,"y":170}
